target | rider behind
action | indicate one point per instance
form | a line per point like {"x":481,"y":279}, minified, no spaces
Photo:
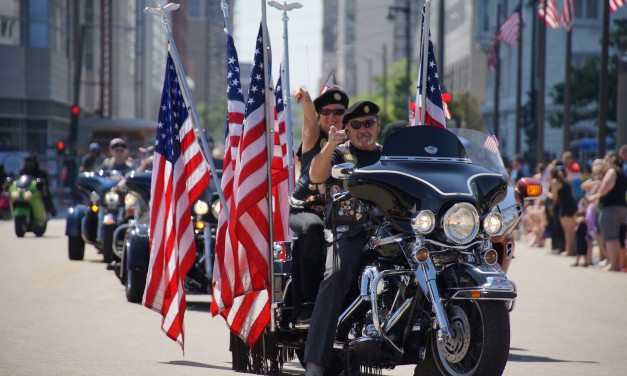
{"x":32,"y":168}
{"x":307,"y":200}
{"x":362,"y":127}
{"x":118,"y":160}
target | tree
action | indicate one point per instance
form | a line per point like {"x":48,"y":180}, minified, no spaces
{"x":465,"y":113}
{"x":584,"y":94}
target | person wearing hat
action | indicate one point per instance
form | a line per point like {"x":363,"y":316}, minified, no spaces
{"x":118,"y":160}
{"x":91,"y":159}
{"x":346,"y":220}
{"x":307,"y":199}
{"x":33,"y":168}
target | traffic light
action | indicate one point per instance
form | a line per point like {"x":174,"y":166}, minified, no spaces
{"x":60,"y":147}
{"x":75,"y":112}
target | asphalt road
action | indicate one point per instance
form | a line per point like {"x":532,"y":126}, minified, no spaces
{"x":59,"y":317}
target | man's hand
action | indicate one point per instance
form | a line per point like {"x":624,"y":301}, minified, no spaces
{"x":301,"y":95}
{"x":336,"y":136}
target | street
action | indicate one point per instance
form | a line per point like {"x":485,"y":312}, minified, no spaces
{"x":62,"y":317}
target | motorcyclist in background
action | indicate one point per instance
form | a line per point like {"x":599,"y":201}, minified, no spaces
{"x":32,"y":168}
{"x":118,"y":160}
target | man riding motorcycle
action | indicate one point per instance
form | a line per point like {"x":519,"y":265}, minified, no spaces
{"x":362,"y":127}
{"x":32,"y":168}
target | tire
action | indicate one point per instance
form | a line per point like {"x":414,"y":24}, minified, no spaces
{"x":20,"y":226}
{"x":76,"y":248}
{"x":135,"y":284}
{"x":481,"y":346}
{"x":107,"y":243}
{"x":336,"y":367}
{"x":39,"y":232}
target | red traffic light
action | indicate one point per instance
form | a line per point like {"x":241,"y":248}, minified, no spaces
{"x":60,"y":145}
{"x":76,"y":110}
{"x":446,"y":97}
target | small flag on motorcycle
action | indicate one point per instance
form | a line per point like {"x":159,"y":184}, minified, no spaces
{"x":491,"y":143}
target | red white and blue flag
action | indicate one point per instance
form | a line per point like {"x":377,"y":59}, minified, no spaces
{"x":552,"y":17}
{"x":249,"y":223}
{"x":434,"y":113}
{"x":224,"y":279}
{"x":280,"y":169}
{"x":568,"y":14}
{"x":330,"y":83}
{"x":491,"y":143}
{"x":615,"y":4}
{"x":509,"y":30}
{"x":180,"y":175}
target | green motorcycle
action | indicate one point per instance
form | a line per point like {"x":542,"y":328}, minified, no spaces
{"x":27,"y":206}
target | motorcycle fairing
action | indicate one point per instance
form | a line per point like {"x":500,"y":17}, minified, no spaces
{"x":140,"y":183}
{"x":459,"y":280}
{"x":74,"y":219}
{"x":96,"y":183}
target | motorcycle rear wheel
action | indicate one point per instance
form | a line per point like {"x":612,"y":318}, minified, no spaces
{"x":39,"y":231}
{"x":480,"y":345}
{"x":20,"y":226}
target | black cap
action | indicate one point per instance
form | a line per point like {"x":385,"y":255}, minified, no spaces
{"x":360,"y":109}
{"x":331,"y":96}
{"x":117,"y":142}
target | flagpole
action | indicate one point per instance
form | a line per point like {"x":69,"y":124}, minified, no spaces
{"x":497,"y":74}
{"x":519,"y":79}
{"x":227,"y":19}
{"x":187,"y":94}
{"x":269,"y":112}
{"x":424,"y":62}
{"x":285,"y":72}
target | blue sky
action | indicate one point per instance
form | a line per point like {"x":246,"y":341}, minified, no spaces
{"x":304,"y":37}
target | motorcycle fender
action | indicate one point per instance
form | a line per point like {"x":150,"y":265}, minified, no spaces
{"x":21,"y":211}
{"x":138,"y":248}
{"x":466,"y":281}
{"x":74,"y":218}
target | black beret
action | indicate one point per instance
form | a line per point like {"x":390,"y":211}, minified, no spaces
{"x":331,"y":96}
{"x":359,"y":109}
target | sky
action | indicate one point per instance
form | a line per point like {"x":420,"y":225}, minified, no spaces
{"x":304,"y":38}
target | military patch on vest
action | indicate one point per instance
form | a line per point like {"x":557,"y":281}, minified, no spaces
{"x":334,"y":189}
{"x":348,"y":157}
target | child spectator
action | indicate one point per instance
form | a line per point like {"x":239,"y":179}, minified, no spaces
{"x":536,"y":223}
{"x":583,"y":242}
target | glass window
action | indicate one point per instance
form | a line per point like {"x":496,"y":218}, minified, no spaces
{"x":9,"y":22}
{"x":587,"y":9}
{"x":9,"y":135}
{"x":38,"y":27}
{"x":36,"y":136}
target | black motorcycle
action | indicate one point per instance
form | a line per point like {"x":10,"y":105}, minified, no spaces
{"x":132,"y":239}
{"x":430,"y":291}
{"x":95,"y":221}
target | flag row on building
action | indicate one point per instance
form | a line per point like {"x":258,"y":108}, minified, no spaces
{"x":548,"y":11}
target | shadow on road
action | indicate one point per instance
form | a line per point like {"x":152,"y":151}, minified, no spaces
{"x":194,"y":364}
{"x":541,"y":359}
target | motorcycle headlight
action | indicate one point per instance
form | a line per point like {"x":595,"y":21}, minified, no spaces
{"x":461,"y":223}
{"x":201,"y":207}
{"x":216,"y":208}
{"x":130,"y":199}
{"x":423,"y":222}
{"x":28,"y":195}
{"x":15,"y":195}
{"x":112,"y":199}
{"x":493,"y":223}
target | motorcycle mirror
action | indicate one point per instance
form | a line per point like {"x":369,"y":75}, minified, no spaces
{"x":343,"y":170}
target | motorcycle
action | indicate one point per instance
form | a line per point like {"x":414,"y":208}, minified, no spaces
{"x":431,"y":291}
{"x":27,"y":205}
{"x":94,"y":223}
{"x":133,"y":236}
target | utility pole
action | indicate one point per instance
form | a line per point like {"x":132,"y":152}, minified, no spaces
{"x":621,"y":111}
{"x":603,"y":81}
{"x":497,"y":74}
{"x":540,"y":93}
{"x":567,"y":90}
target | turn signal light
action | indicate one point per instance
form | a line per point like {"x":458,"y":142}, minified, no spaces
{"x":421,"y":255}
{"x":200,"y":225}
{"x":490,"y":257}
{"x":534,"y":190}
{"x":94,"y":208}
{"x":475,"y":294}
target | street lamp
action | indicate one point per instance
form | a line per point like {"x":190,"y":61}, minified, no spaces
{"x":285,"y":7}
{"x":391,"y":16}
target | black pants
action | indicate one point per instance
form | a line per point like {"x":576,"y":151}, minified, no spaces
{"x":337,"y":282}
{"x":308,"y":258}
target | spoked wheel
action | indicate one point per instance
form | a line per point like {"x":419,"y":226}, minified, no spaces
{"x":478,"y":345}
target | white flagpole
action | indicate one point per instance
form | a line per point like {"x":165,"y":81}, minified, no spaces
{"x":187,"y":94}
{"x":286,"y":85}
{"x":424,"y":62}
{"x":227,"y":19}
{"x":269,"y":111}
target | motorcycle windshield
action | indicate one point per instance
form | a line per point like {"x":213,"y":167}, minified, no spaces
{"x":24,"y":181}
{"x":457,"y":145}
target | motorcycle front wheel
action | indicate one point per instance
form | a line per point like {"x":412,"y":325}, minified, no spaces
{"x":135,"y":284}
{"x":20,"y":226}
{"x":479,"y":341}
{"x":107,"y":243}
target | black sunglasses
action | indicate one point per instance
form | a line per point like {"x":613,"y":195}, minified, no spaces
{"x":366,"y":123}
{"x":336,"y":112}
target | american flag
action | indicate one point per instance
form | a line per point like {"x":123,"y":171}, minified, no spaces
{"x":180,"y":174}
{"x":330,"y":83}
{"x":224,"y":266}
{"x":250,"y":313}
{"x":509,"y":31}
{"x":552,"y":18}
{"x":434,"y":110}
{"x":280,"y":169}
{"x":491,"y":143}
{"x":615,"y":4}
{"x":493,"y":58}
{"x":568,"y":14}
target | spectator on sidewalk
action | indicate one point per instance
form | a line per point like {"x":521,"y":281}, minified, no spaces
{"x":590,"y":186}
{"x":565,"y":206}
{"x":573,"y":174}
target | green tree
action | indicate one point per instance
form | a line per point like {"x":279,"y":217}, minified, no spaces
{"x":585,"y":85}
{"x":465,"y":113}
